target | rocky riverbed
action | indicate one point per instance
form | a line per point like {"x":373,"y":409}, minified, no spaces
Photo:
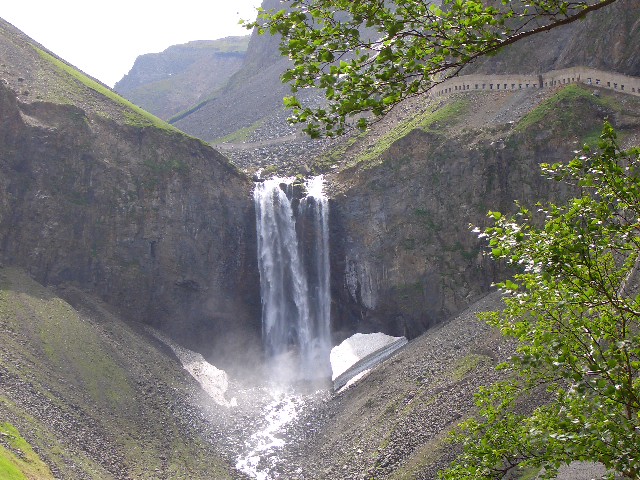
{"x":393,"y":421}
{"x":144,"y":417}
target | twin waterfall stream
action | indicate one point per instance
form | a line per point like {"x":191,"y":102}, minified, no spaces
{"x":293,"y":258}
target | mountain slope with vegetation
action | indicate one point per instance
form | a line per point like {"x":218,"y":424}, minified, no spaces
{"x":85,"y":395}
{"x":251,"y":99}
{"x":99,"y":193}
{"x":174,"y":80}
{"x":247,"y":115}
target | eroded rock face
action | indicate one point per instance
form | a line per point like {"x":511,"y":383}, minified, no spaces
{"x":406,"y":259}
{"x":403,"y":254}
{"x":158,"y":224}
{"x":606,"y":39}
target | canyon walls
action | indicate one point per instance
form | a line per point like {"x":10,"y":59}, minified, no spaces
{"x":96,"y":193}
{"x":403,"y":253}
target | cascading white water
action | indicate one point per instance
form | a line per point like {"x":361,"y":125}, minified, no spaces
{"x":293,"y":258}
{"x":314,"y":209}
{"x":283,"y":283}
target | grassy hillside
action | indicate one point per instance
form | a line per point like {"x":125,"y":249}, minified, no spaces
{"x":93,"y":396}
{"x":18,"y":461}
{"x":171,"y":81}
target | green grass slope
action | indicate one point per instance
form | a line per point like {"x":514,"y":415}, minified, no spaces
{"x":38,"y":75}
{"x":93,"y":396}
{"x":18,"y":461}
{"x":135,"y":115}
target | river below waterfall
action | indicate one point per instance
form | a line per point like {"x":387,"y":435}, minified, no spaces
{"x":267,"y":412}
{"x":292,"y":221}
{"x":259,"y":455}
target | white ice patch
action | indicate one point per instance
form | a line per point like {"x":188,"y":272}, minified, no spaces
{"x":355,"y":379}
{"x":213,"y":381}
{"x":361,"y":352}
{"x":355,"y":348}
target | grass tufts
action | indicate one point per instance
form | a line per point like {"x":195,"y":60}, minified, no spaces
{"x":431,"y":120}
{"x":18,"y":461}
{"x":563,"y":107}
{"x":134,"y":115}
{"x":241,"y":135}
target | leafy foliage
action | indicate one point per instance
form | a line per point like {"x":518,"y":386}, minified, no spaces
{"x":574,"y":310}
{"x":368,"y":56}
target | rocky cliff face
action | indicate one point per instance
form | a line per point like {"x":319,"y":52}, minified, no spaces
{"x":605,"y":40}
{"x":403,"y":256}
{"x":250,"y":101}
{"x":247,"y":118}
{"x":182,"y":76}
{"x":96,"y":193}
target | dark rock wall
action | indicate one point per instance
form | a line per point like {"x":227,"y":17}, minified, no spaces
{"x":405,"y":258}
{"x":402,"y":251}
{"x":161,"y":226}
{"x":606,"y":40}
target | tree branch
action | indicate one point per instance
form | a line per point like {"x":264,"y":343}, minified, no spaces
{"x":545,"y":28}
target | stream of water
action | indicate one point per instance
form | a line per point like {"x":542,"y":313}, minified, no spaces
{"x":293,"y":258}
{"x":259,"y":459}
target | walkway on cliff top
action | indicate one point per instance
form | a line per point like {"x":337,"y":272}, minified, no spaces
{"x":499,"y":83}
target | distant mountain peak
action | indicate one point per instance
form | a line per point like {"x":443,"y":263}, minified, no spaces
{"x":171,"y":81}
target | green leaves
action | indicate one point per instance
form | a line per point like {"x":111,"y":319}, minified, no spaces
{"x":369,"y":56}
{"x":573,"y":310}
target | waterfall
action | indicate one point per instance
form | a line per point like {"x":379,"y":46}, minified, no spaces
{"x":314,"y":211}
{"x":293,"y":258}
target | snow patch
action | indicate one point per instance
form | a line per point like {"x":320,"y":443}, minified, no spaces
{"x":213,"y":381}
{"x":361,"y":352}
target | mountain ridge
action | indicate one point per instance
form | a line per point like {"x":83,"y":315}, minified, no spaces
{"x":169,"y":82}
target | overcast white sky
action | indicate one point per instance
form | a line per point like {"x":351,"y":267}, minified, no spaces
{"x":104,"y":38}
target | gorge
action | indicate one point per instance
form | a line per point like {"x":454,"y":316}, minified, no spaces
{"x":115,"y":224}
